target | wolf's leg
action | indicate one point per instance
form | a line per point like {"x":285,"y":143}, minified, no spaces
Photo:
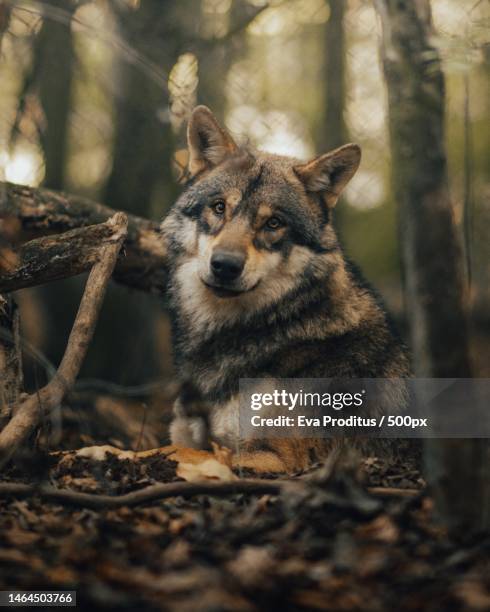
{"x":189,"y":432}
{"x":189,"y":427}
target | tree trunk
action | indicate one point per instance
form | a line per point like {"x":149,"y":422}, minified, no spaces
{"x":5,"y":9}
{"x":51,"y":79}
{"x":430,"y":247}
{"x":140,"y":182}
{"x":143,"y":143}
{"x":10,"y":358}
{"x":216,"y":56}
{"x":54,"y":58}
{"x":333,"y":131}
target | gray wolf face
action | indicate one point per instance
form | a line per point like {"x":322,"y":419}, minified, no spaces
{"x":250,"y":225}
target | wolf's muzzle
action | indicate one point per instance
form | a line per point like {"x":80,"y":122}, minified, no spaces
{"x":227,"y":266}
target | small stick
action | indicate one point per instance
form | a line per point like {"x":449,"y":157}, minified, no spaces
{"x":39,"y":404}
{"x":393,"y":492}
{"x":148,"y":494}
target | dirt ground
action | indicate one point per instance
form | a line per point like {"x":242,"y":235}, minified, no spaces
{"x":334,"y":545}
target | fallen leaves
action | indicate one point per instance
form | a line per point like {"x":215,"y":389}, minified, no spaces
{"x":381,"y":529}
{"x":210,"y":469}
{"x":217,"y":467}
{"x":327,"y":545}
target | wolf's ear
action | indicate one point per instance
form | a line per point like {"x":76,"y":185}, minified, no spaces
{"x":328,"y":174}
{"x":208,"y":142}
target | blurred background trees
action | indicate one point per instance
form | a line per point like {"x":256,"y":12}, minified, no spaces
{"x":94,"y":98}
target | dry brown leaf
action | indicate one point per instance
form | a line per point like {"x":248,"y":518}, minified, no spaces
{"x":209,"y":469}
{"x":222,"y":454}
{"x":252,"y":565}
{"x":87,"y":483}
{"x":473,"y":594}
{"x":19,"y":537}
{"x":382,"y":529}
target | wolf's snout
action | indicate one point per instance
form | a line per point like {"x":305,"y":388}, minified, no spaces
{"x":227,"y":266}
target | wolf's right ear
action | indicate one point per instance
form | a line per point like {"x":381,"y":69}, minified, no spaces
{"x":209,"y":144}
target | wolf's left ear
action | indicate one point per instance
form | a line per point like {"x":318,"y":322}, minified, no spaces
{"x":328,"y":174}
{"x":209,"y":144}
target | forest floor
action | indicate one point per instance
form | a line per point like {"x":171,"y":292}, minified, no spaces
{"x":326,"y":546}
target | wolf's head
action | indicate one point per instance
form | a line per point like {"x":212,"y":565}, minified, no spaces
{"x":250,"y":226}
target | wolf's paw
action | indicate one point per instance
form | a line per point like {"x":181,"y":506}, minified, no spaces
{"x":190,"y":432}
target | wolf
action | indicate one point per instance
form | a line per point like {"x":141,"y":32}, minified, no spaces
{"x":259,"y":287}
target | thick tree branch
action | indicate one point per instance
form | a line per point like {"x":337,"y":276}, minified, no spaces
{"x":39,"y":404}
{"x":39,"y":212}
{"x":54,"y":257}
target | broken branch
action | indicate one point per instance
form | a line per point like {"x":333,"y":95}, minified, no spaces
{"x":250,"y":486}
{"x":146,"y":495}
{"x":54,"y":257}
{"x":40,"y":212}
{"x":41,"y":403}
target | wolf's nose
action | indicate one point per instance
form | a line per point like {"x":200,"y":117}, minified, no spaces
{"x":227,"y":266}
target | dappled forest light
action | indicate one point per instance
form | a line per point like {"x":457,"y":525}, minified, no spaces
{"x":263,"y":69}
{"x":267,"y":83}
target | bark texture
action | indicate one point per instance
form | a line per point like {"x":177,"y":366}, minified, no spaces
{"x":333,"y":132}
{"x":431,"y":245}
{"x":54,"y":257}
{"x":52,"y":75}
{"x":10,"y":357}
{"x":432,"y":261}
{"x":141,"y":180}
{"x":40,"y":211}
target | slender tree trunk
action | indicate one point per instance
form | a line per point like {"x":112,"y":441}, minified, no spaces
{"x":217,"y":57}
{"x":144,"y":144}
{"x":51,"y":79}
{"x":333,"y":131}
{"x":54,"y":59}
{"x":431,"y":248}
{"x":141,"y":182}
{"x":4,"y":19}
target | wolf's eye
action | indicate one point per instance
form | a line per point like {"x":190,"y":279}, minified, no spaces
{"x":274,"y":223}
{"x":218,"y":207}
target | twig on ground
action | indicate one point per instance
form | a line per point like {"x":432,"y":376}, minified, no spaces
{"x":393,"y":492}
{"x":148,"y":494}
{"x":39,"y":404}
{"x":158,"y":492}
